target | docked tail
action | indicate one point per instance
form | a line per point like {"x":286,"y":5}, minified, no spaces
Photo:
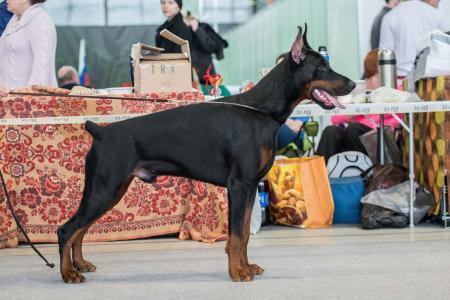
{"x":93,"y":128}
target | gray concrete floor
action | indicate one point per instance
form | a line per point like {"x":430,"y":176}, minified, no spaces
{"x":342,"y":262}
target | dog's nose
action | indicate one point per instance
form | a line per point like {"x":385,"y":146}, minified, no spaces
{"x":351,"y":85}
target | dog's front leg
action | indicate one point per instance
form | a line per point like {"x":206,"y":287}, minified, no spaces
{"x":238,"y":230}
{"x":253,"y":269}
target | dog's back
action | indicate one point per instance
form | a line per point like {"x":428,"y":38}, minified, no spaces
{"x":203,"y":137}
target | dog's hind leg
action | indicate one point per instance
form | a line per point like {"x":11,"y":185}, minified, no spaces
{"x":79,"y":263}
{"x":71,"y":234}
{"x":101,"y":192}
{"x":240,"y":209}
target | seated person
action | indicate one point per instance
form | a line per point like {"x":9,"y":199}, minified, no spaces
{"x":344,"y":134}
{"x":68,"y":77}
{"x":289,"y":132}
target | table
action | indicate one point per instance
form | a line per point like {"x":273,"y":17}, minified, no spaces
{"x":384,"y":108}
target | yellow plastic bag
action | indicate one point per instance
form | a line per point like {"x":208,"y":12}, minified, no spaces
{"x":300,"y":193}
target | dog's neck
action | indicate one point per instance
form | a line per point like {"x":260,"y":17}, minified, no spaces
{"x":274,"y":94}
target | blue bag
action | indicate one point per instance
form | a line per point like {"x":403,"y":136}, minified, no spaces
{"x":347,"y":193}
{"x":348,"y":176}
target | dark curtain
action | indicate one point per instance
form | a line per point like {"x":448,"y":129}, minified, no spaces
{"x":107,"y":50}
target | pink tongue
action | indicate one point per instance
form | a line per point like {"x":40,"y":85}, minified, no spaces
{"x":333,"y":100}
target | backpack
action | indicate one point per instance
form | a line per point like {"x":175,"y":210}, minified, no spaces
{"x":220,"y":42}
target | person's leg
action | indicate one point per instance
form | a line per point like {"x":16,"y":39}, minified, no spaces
{"x":331,"y":142}
{"x":286,"y":136}
{"x":352,"y":134}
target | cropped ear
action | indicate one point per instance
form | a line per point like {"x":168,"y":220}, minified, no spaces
{"x":297,"y":48}
{"x":305,"y":41}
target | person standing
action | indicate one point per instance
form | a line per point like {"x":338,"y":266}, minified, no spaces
{"x":5,"y":16}
{"x":28,"y":46}
{"x":175,"y":24}
{"x":206,"y":42}
{"x":376,"y":26}
{"x":404,"y":25}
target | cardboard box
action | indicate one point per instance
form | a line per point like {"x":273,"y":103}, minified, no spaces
{"x":162,"y":72}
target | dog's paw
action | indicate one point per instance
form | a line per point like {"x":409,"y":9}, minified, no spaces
{"x":255,"y":269}
{"x":241,"y":276}
{"x":84,"y":266}
{"x":72,"y":276}
{"x":246,"y":278}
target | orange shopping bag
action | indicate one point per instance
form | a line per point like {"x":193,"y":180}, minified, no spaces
{"x":300,"y":193}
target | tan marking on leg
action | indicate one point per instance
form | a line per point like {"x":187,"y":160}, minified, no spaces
{"x":227,"y":246}
{"x":68,"y":274}
{"x":235,"y":268}
{"x":252,"y":269}
{"x":265,"y":157}
{"x":79,"y":263}
{"x":246,"y":236}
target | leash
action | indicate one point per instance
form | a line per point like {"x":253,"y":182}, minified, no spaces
{"x":98,"y":97}
{"x":8,"y":202}
{"x":5,"y":191}
{"x":238,"y":104}
{"x":127,"y":98}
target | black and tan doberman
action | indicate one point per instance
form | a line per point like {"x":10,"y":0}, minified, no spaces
{"x":230,"y":143}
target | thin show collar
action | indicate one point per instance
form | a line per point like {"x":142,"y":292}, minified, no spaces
{"x":239,"y":105}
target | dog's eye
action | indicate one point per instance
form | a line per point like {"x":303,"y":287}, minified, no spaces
{"x":322,"y":68}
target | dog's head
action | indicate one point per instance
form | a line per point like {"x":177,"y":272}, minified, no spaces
{"x":313,"y":76}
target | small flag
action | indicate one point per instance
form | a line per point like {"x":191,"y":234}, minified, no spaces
{"x":82,"y":67}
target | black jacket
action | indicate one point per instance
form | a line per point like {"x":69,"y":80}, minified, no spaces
{"x":376,"y":28}
{"x":177,"y":27}
{"x":206,"y":42}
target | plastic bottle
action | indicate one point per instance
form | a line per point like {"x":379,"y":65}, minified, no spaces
{"x":324,"y":51}
{"x":263,"y":193}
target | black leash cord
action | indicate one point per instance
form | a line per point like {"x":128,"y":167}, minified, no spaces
{"x":8,"y":202}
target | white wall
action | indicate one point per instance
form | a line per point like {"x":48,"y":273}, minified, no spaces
{"x":367,"y":11}
{"x":342,"y":36}
{"x":444,"y":7}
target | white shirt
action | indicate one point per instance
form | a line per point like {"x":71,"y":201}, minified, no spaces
{"x":403,"y":26}
{"x":27,"y":50}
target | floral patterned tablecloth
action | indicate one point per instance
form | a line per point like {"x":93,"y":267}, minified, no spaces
{"x":43,"y":166}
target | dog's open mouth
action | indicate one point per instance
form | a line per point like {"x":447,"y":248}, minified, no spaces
{"x":326,"y":99}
